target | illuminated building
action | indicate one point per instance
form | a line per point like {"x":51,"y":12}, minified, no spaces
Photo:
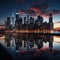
{"x":13,"y":20}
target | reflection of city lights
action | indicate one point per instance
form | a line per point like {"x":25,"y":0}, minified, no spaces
{"x":32,"y":31}
{"x":2,"y":27}
{"x":56,"y":39}
{"x":2,"y":38}
{"x":56,"y":25}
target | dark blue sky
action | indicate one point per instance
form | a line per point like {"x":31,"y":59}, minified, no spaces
{"x":7,"y":7}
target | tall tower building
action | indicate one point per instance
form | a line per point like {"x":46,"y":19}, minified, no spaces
{"x":8,"y":20}
{"x":50,"y":18}
{"x":51,"y":21}
{"x":25,"y":20}
{"x":18,"y":24}
{"x":17,"y":16}
{"x":28,"y":19}
{"x":31,"y":23}
{"x":13,"y":20}
{"x":8,"y":23}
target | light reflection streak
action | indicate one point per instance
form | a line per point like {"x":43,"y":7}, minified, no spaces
{"x":56,"y":39}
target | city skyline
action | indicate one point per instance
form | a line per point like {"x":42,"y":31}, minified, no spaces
{"x":30,"y":25}
{"x":13,"y":19}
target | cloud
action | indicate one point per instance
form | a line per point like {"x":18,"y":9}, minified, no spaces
{"x":38,"y":8}
{"x":54,"y":12}
{"x":30,"y":12}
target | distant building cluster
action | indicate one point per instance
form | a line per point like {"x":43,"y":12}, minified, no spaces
{"x":29,"y":23}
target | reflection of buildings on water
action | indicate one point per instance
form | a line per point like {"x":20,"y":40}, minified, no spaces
{"x":18,"y":41}
{"x":44,"y":38}
{"x":51,"y":43}
{"x":30,"y":41}
{"x":21,"y":41}
{"x":2,"y":39}
{"x":9,"y":41}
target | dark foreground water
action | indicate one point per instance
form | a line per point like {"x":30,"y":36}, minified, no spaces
{"x":24,"y":46}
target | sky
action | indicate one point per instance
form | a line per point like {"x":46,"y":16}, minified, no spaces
{"x":31,"y":7}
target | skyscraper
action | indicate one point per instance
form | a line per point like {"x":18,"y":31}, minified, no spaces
{"x":28,"y":19}
{"x":51,"y":21}
{"x":13,"y":20}
{"x":8,"y":20}
{"x":31,"y":23}
{"x":8,"y":23}
{"x":25,"y":20}
{"x":50,"y":18}
{"x":18,"y":23}
{"x":17,"y":16}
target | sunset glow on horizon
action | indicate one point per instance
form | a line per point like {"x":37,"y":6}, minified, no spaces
{"x":56,"y":25}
